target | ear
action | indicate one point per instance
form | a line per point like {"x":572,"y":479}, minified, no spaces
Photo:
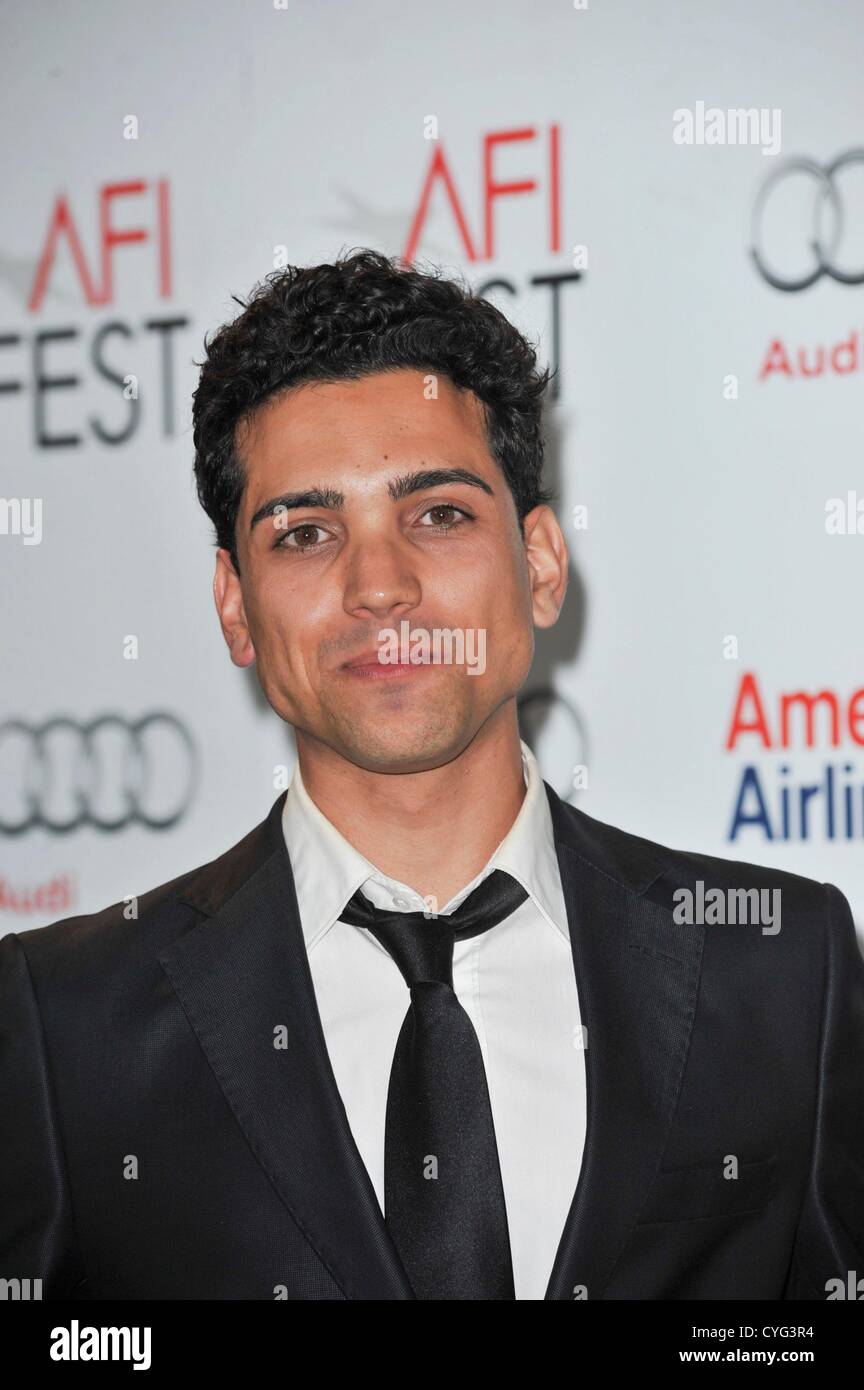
{"x":232,"y":616}
{"x":548,"y":561}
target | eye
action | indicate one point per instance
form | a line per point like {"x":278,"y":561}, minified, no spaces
{"x":446,"y":525}
{"x":302,"y":532}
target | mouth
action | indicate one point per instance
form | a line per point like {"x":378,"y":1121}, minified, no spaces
{"x":368,"y":666}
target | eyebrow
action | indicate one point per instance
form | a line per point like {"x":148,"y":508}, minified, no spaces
{"x":402,"y":486}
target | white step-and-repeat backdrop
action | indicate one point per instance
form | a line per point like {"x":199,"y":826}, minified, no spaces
{"x":669,"y":197}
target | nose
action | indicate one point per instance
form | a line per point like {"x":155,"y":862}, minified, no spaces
{"x":380,"y":581}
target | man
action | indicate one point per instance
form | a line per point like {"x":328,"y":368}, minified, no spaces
{"x":427,"y":1031}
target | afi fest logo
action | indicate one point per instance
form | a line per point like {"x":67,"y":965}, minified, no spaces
{"x":538,"y":152}
{"x":96,"y":384}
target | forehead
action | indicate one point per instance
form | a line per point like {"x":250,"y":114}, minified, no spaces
{"x":389,"y":419}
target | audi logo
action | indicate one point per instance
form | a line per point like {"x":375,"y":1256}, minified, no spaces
{"x":109,"y":773}
{"x":554,"y":731}
{"x":824,"y":243}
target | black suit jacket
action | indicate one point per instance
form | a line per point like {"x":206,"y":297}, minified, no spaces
{"x":148,"y":1046}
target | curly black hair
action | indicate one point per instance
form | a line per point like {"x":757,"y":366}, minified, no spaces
{"x":364,"y":313}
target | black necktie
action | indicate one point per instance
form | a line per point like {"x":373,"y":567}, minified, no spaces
{"x":443,"y":1195}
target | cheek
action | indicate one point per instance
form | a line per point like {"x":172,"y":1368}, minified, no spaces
{"x":507,"y":599}
{"x":503,"y":610}
{"x":487,"y":584}
{"x":287,"y":621}
{"x":267,"y":624}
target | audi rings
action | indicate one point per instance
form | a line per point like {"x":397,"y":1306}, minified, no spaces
{"x":826,"y":193}
{"x":554,"y":730}
{"x":109,"y":773}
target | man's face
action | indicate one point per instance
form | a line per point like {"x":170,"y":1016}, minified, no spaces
{"x":325,"y":575}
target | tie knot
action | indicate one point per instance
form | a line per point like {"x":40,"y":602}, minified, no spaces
{"x":422,"y":946}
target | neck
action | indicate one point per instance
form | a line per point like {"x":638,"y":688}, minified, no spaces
{"x":433,"y":830}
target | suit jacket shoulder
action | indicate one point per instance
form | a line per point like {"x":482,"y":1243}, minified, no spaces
{"x":649,"y":866}
{"x":162,"y":913}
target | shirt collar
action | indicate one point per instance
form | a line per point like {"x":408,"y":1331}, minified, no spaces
{"x":328,"y":870}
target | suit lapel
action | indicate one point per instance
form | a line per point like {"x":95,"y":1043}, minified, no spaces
{"x":637,"y":974}
{"x":241,"y":975}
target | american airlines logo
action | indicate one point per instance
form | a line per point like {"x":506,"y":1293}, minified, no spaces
{"x":775,"y":800}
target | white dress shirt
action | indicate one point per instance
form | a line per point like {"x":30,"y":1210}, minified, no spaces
{"x":516,"y":982}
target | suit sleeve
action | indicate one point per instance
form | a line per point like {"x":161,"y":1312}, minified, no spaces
{"x":36,"y":1229}
{"x":829,"y":1240}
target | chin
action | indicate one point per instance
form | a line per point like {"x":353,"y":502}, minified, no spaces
{"x":416,"y":751}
